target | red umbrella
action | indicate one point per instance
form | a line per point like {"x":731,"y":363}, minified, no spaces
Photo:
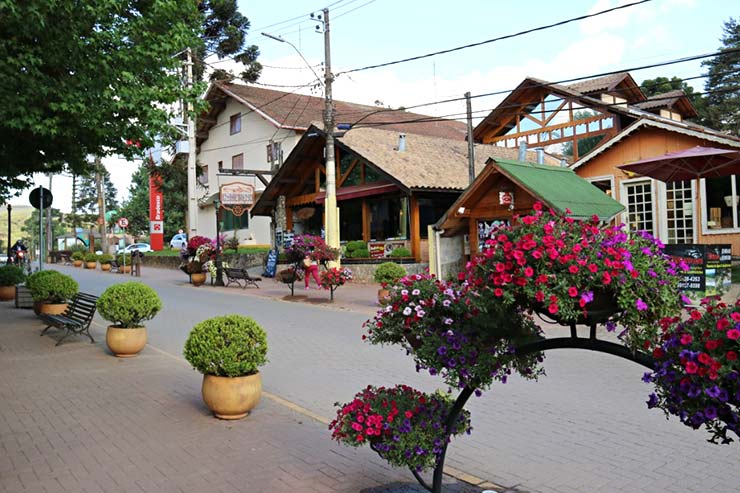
{"x":697,"y":162}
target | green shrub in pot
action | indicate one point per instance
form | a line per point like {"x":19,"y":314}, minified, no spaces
{"x":50,"y":286}
{"x":128,"y":304}
{"x":401,"y":252}
{"x":91,"y":258}
{"x":388,"y":273}
{"x":10,"y":275}
{"x":105,"y":258}
{"x":361,"y":253}
{"x":227,"y":346}
{"x":78,"y":255}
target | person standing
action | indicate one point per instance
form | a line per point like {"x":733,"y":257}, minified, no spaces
{"x":311,"y":268}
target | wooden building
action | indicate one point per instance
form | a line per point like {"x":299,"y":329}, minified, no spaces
{"x":602,"y":123}
{"x":391,"y":185}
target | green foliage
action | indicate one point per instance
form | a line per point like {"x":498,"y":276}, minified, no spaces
{"x":232,"y":243}
{"x":227,"y":346}
{"x":10,"y":275}
{"x":351,"y":246}
{"x":722,"y":81}
{"x":79,"y":247}
{"x":585,"y":144}
{"x":401,"y":252}
{"x":91,"y":257}
{"x":50,"y":286}
{"x":128,"y":304}
{"x":361,"y":253}
{"x":86,"y":202}
{"x":86,"y":77}
{"x":78,"y":255}
{"x":123,"y":258}
{"x":388,"y":273}
{"x":30,"y":228}
{"x":105,"y":258}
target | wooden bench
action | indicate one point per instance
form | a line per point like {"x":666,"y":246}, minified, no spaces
{"x":76,"y":319}
{"x":238,"y":275}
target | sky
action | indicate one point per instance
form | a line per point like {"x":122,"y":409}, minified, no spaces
{"x":369,"y":32}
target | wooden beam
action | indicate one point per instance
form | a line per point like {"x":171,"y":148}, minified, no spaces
{"x":342,"y":179}
{"x":415,"y":233}
{"x":473,"y":236}
{"x":289,"y":219}
{"x":301,"y":199}
{"x":365,"y":221}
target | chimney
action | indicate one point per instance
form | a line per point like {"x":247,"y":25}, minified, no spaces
{"x":401,"y":142}
{"x":563,"y":163}
{"x":522,"y":150}
{"x":540,"y":155}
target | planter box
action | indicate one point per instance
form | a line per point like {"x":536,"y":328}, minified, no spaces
{"x":23,"y":297}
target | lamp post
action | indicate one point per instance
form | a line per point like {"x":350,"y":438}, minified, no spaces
{"x":219,"y":266}
{"x":9,"y":255}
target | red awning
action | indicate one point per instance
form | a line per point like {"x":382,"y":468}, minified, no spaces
{"x":687,"y":164}
{"x":357,"y":191}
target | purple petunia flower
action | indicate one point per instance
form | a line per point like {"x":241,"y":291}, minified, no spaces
{"x":641,"y":305}
{"x":652,"y":400}
{"x":713,"y":391}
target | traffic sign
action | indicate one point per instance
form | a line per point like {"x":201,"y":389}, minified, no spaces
{"x":35,"y":198}
{"x":123,"y":222}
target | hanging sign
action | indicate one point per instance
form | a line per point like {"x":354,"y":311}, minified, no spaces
{"x":156,"y":212}
{"x":236,"y":197}
{"x":505,"y":198}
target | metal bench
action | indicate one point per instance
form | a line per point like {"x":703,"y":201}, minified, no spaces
{"x":239,"y":275}
{"x":76,"y":319}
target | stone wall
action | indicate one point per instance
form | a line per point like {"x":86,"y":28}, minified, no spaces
{"x":363,"y":273}
{"x":240,"y":261}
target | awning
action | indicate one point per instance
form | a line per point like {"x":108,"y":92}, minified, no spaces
{"x":688,"y":164}
{"x":357,"y":191}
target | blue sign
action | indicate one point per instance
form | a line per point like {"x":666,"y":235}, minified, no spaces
{"x":271,"y":267}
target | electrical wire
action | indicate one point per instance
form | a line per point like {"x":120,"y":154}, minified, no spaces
{"x":508,"y":36}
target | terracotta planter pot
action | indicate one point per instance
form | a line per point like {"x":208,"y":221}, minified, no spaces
{"x":77,"y":263}
{"x":383,"y":295}
{"x":231,"y":397}
{"x":125,"y":343}
{"x":91,"y":265}
{"x":7,"y":293}
{"x":105,"y":267}
{"x":198,"y":278}
{"x":126,"y":269}
{"x":49,"y":308}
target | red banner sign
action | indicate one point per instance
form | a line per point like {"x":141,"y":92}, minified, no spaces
{"x":156,"y":213}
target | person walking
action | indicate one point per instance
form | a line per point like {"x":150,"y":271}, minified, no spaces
{"x":311,"y":268}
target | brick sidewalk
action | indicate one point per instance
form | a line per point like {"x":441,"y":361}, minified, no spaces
{"x":74,"y":418}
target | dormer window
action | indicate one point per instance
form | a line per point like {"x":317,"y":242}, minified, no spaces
{"x":235,"y":124}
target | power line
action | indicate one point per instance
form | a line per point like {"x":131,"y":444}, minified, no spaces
{"x":574,"y":79}
{"x":508,"y":36}
{"x":352,"y":10}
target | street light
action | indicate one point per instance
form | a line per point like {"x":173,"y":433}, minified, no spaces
{"x":219,"y":265}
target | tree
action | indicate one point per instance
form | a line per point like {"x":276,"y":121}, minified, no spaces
{"x":86,"y":202}
{"x":31,"y":226}
{"x":80,"y":79}
{"x":224,"y":31}
{"x":585,"y":144}
{"x":661,"y":85}
{"x":723,"y":82}
{"x":174,"y":189}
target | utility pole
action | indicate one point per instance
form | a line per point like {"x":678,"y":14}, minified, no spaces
{"x":471,"y":147}
{"x":49,"y":239}
{"x":192,"y":199}
{"x":331,"y":211}
{"x":101,"y":204}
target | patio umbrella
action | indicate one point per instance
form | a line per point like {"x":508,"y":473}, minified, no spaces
{"x":687,"y":164}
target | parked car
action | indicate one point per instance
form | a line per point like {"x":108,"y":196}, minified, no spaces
{"x":141,"y":247}
{"x":179,"y":241}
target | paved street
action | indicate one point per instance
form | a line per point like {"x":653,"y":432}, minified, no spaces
{"x":583,"y":428}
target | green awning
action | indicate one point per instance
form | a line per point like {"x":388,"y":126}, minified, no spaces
{"x":560,"y":188}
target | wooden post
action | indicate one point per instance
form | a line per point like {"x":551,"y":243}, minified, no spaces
{"x":415,"y":233}
{"x":473,"y":236}
{"x":365,"y":221}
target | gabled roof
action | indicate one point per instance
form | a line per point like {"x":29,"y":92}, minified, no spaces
{"x":683,"y":128}
{"x":556,"y":187}
{"x":675,"y":100}
{"x":297,"y":112}
{"x":427,"y":163}
{"x":621,"y":85}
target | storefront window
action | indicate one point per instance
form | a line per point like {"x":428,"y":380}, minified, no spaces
{"x":350,"y":220}
{"x":431,"y":210}
{"x":388,"y":218}
{"x":721,"y":196}
{"x":355,"y":175}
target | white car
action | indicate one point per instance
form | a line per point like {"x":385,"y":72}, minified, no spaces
{"x":140,"y":247}
{"x":179,"y":241}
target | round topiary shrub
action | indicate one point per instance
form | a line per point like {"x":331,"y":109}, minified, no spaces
{"x":91,"y":257}
{"x":227,"y":346}
{"x":10,"y":275}
{"x":50,"y":286}
{"x":105,"y":258}
{"x":388,"y":273}
{"x":121,"y":257}
{"x":401,"y":252}
{"x":128,"y":304}
{"x":361,"y":253}
{"x":352,"y":246}
{"x":77,"y":255}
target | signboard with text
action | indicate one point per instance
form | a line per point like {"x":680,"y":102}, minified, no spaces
{"x":156,"y":213}
{"x":709,"y":267}
{"x":236,"y":197}
{"x":382,"y":249}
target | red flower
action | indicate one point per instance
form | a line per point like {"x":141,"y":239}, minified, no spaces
{"x":572,"y":291}
{"x":711,"y":345}
{"x":498,"y":292}
{"x":704,"y":359}
{"x":733,"y":334}
{"x":695,"y":315}
{"x":731,"y":355}
{"x":691,"y":367}
{"x":658,"y":353}
{"x":686,"y":339}
{"x":573,"y":269}
{"x":553,"y":308}
{"x":723,"y":323}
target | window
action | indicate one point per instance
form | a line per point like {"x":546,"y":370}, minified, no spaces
{"x":350,"y":220}
{"x":431,"y":210}
{"x":640,"y":206}
{"x":721,"y":198}
{"x":203,"y":178}
{"x":680,"y":212}
{"x":236,"y":124}
{"x":231,"y":222}
{"x":237,"y":162}
{"x":388,"y":218}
